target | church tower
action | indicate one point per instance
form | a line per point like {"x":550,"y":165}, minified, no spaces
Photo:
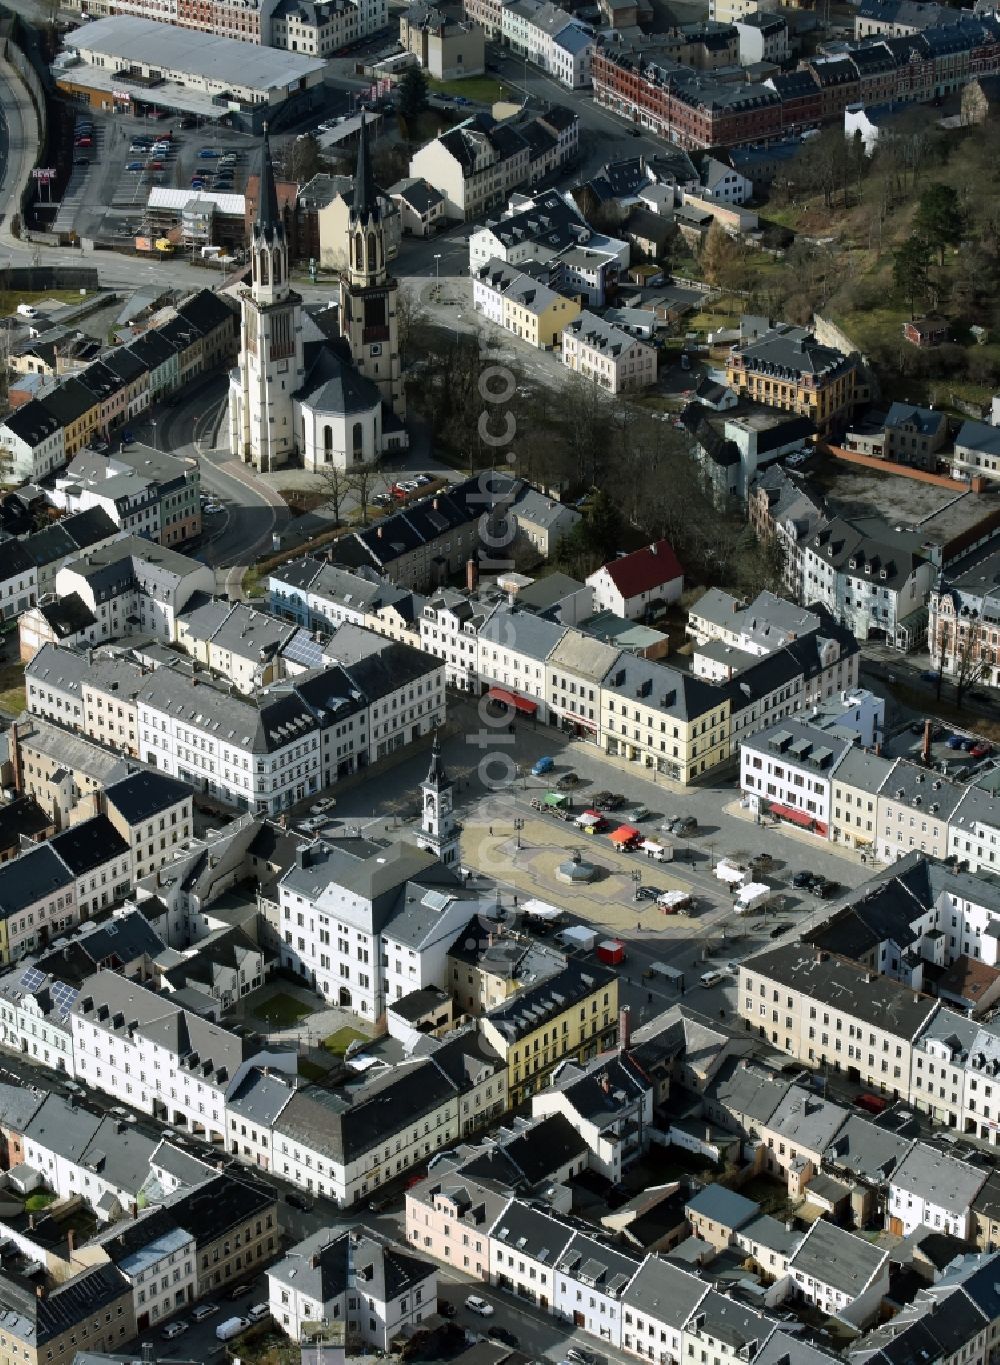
{"x":438,"y":831}
{"x":368,"y":293}
{"x":271,"y":367}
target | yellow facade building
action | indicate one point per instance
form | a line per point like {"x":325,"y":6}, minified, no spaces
{"x":573,"y":1013}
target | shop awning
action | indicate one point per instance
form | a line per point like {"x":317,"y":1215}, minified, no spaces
{"x":795,"y":817}
{"x":624,"y":834}
{"x":522,"y":704}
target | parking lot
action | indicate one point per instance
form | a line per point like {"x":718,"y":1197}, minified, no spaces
{"x":123,"y":158}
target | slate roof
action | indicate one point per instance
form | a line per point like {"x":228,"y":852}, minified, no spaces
{"x":939,"y":1179}
{"x":838,"y":1258}
{"x":532,"y":1007}
{"x":326,"y":1264}
{"x":145,"y":794}
{"x":30,"y":878}
{"x":664,"y":1293}
{"x":33,"y":422}
{"x":866,"y":1151}
{"x":842,"y":985}
{"x":723,"y":1206}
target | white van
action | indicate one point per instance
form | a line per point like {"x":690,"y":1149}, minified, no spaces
{"x":712,"y":978}
{"x":25,"y":310}
{"x":232,"y":1327}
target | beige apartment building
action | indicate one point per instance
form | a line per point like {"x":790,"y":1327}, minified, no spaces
{"x":854,"y":800}
{"x":446,"y":48}
{"x":664,"y":718}
{"x":915,"y":806}
{"x":606,"y":355}
{"x":829,"y":1013}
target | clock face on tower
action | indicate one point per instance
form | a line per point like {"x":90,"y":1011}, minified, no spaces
{"x":375,"y":349}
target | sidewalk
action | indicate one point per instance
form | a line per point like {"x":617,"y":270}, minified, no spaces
{"x":850,"y":855}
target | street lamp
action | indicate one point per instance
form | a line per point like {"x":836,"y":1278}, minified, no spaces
{"x":152,"y":423}
{"x":437,"y":272}
{"x":518,"y":826}
{"x":636,"y":882}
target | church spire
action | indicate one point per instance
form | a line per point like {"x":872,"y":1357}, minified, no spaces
{"x":268,"y":222}
{"x":436,"y":776}
{"x":365,"y":199}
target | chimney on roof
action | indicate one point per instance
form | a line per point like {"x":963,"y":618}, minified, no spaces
{"x":134,"y":1210}
{"x":302,"y":856}
{"x":71,"y":1240}
{"x":624,"y":1029}
{"x":925,"y":748}
{"x":471,"y":575}
{"x":378,"y":532}
{"x":652,"y":549}
{"x":39,"y":1288}
{"x":821,"y":956}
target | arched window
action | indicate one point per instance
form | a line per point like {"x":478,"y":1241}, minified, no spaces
{"x":263,"y":272}
{"x":327,"y":444}
{"x":277,"y":267}
{"x":357,"y":439}
{"x":372,"y":264}
{"x":359,"y":251}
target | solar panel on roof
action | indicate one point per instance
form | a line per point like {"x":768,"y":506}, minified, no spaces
{"x":32,"y":979}
{"x":64,"y":997}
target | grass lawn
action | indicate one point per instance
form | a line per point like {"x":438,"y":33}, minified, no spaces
{"x":282,"y":1011}
{"x":339,"y":1042}
{"x":38,"y":1201}
{"x":12,"y":697}
{"x":484,"y":89}
{"x":10,"y":298}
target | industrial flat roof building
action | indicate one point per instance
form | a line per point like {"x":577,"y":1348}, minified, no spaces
{"x":127,"y":60}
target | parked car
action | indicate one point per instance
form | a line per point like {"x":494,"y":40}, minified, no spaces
{"x":203,"y":1311}
{"x":208,"y":154}
{"x":298,"y":1201}
{"x":504,"y":1335}
{"x":647,"y":893}
{"x":981,"y":749}
{"x":475,"y":1304}
{"x":615,"y":801}
{"x":174,"y":1329}
{"x":599,"y":800}
{"x":779,"y":929}
{"x":541,"y":766}
{"x":259,"y":1312}
{"x":422,"y":480}
{"x":955,"y":742}
{"x":639,"y":813}
{"x":135,"y":165}
{"x":931,"y":676}
{"x":802,"y":880}
{"x":446,"y":1309}
{"x":567,"y":780}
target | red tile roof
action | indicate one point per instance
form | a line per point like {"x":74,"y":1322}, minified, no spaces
{"x":645,"y":569}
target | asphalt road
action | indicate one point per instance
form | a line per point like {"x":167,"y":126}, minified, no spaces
{"x":251,"y":515}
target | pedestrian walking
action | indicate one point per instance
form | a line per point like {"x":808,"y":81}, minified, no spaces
{"x":491,"y":831}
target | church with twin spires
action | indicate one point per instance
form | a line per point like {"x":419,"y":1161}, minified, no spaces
{"x":318,"y":385}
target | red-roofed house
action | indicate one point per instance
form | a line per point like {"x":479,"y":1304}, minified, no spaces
{"x":630,"y":585}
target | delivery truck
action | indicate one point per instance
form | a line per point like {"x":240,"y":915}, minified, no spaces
{"x":611,"y":951}
{"x":753,"y":896}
